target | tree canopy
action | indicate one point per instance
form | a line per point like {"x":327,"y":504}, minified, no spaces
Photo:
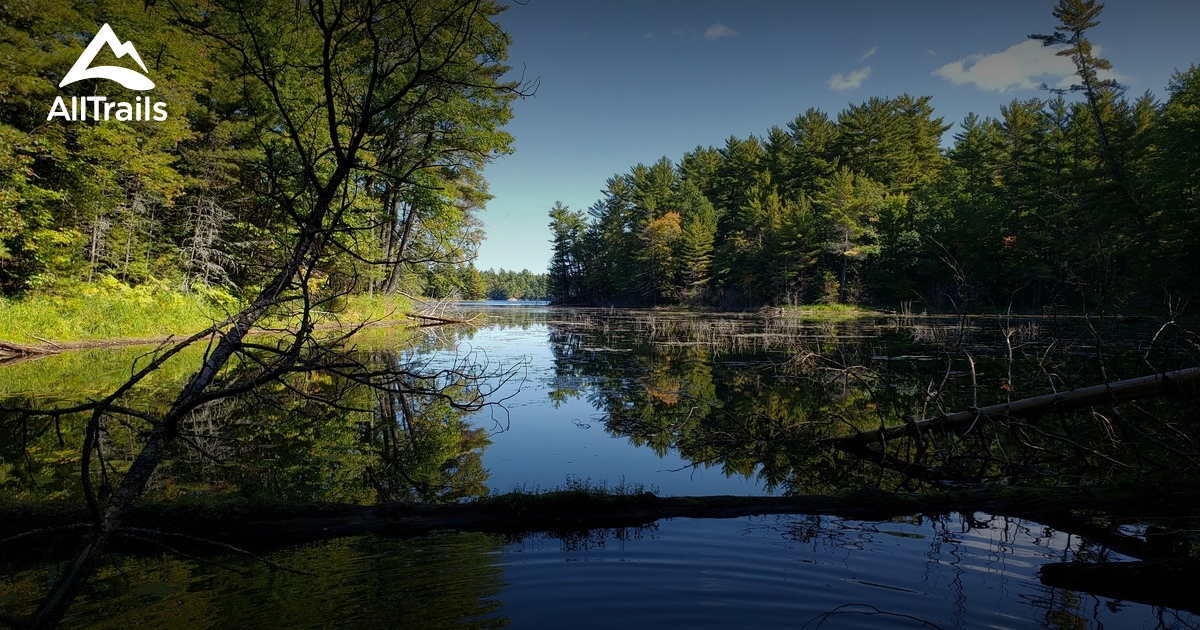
{"x":1092,"y":199}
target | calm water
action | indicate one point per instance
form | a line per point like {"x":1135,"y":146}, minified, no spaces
{"x":684,"y":405}
{"x":762,"y":572}
{"x":541,"y":439}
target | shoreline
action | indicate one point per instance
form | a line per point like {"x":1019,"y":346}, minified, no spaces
{"x":11,"y":353}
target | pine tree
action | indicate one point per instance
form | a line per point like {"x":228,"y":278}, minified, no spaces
{"x":849,"y":204}
{"x":1075,"y":18}
{"x":699,"y":226}
{"x":566,"y":264}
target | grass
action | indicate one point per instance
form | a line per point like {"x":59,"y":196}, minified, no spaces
{"x":826,"y":310}
{"x":575,"y":485}
{"x":574,"y":494}
{"x":356,"y":309}
{"x":109,"y":309}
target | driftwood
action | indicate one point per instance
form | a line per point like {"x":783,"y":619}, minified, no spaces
{"x":436,"y":321}
{"x":9,"y":349}
{"x":1107,"y":393}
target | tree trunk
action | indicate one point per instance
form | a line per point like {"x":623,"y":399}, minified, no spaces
{"x":133,"y":484}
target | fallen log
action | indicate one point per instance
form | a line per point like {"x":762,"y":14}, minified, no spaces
{"x":26,"y":527}
{"x":1106,"y":393}
{"x":10,"y":349}
{"x":437,"y":321}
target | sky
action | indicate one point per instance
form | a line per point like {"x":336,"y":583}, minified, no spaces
{"x":626,"y":82}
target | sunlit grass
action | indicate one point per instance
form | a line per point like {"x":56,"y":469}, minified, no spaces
{"x":825,"y":311}
{"x":109,"y":309}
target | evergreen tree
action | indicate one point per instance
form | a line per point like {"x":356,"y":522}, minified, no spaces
{"x":1176,"y":164}
{"x":814,"y":138}
{"x":697,"y":237}
{"x":565,"y":278}
{"x":849,"y":205}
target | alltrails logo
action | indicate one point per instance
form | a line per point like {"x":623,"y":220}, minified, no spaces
{"x":100,"y":107}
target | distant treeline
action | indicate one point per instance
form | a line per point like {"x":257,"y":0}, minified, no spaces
{"x":468,"y":283}
{"x":1055,"y":200}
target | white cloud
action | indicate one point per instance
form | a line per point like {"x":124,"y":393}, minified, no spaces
{"x":869,"y":53}
{"x":841,"y":82}
{"x":648,"y":35}
{"x":1023,"y":66}
{"x":718,"y":30}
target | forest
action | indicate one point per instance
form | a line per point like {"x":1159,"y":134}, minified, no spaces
{"x":504,"y":284}
{"x":303,"y":155}
{"x":198,"y":203}
{"x":1083,"y":198}
{"x":310,"y":153}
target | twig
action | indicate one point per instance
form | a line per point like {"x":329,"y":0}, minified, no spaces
{"x":159,"y":543}
{"x":841,"y":610}
{"x":44,"y":531}
{"x":219,"y":545}
{"x":47,"y":341}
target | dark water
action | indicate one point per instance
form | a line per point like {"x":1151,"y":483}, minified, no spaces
{"x":762,"y":572}
{"x":677,"y":403}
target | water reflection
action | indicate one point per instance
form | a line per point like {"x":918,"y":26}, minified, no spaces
{"x":314,"y":436}
{"x":958,"y":571}
{"x":747,"y":396}
{"x":435,"y":581}
{"x":632,"y":395}
{"x":758,"y":395}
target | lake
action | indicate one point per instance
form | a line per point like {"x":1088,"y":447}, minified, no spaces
{"x":681,"y":404}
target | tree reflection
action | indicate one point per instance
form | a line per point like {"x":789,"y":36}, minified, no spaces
{"x":761,"y":397}
{"x":283,"y":442}
{"x":425,"y":450}
{"x":717,"y":391}
{"x":440,"y":580}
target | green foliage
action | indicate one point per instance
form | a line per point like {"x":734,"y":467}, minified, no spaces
{"x":1048,"y":200}
{"x":564,"y":280}
{"x":212,"y":197}
{"x":111,"y":309}
{"x":1175,"y":159}
{"x":518,"y":285}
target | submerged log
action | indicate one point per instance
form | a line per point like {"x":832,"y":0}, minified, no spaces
{"x":1167,"y":583}
{"x":26,"y":527}
{"x":436,"y":321}
{"x":1106,"y":393}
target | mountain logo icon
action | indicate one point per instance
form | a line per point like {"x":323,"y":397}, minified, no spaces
{"x":126,"y":77}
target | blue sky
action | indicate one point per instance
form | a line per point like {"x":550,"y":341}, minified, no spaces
{"x":625,"y":82}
